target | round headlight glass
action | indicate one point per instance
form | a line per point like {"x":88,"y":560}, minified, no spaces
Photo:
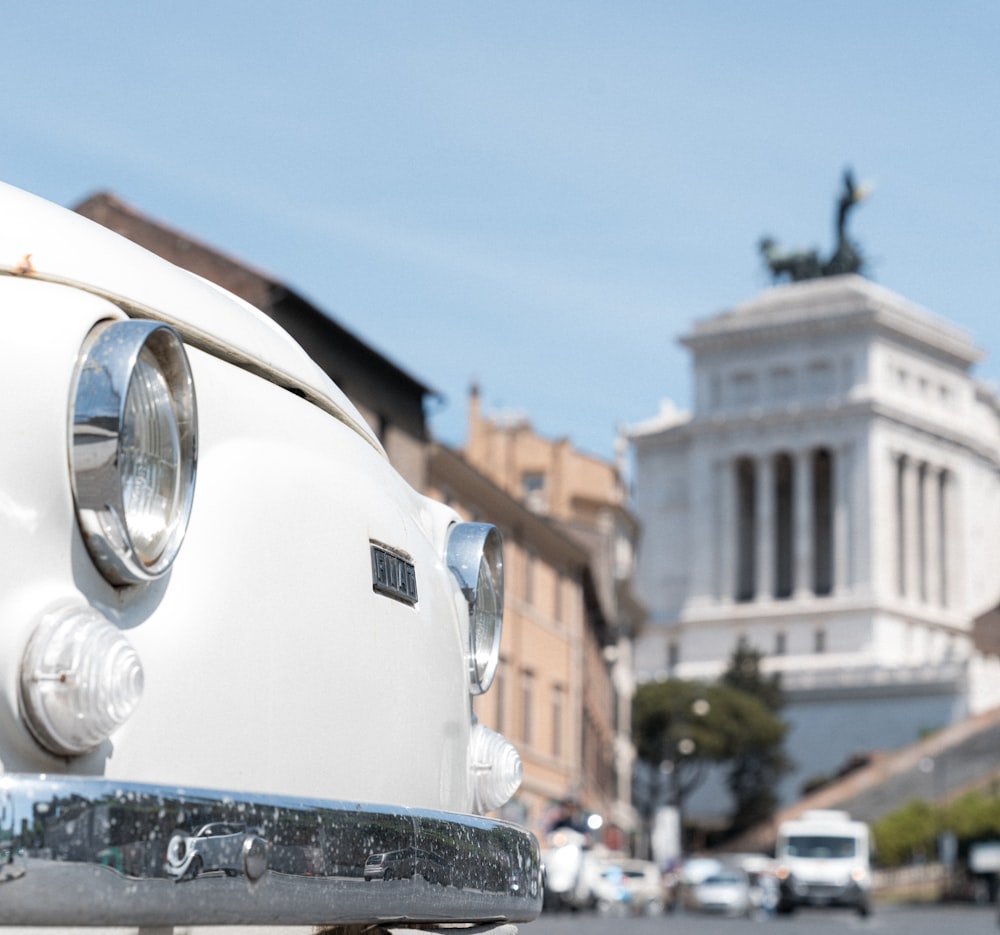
{"x":80,"y":680}
{"x":151,"y":460}
{"x":133,"y":449}
{"x":475,"y":557}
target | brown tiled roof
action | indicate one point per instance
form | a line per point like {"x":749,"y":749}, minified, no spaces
{"x":110,"y":211}
{"x":306,"y":322}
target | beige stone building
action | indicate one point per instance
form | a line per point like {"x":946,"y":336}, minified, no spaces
{"x":536,"y":699}
{"x":585,"y":500}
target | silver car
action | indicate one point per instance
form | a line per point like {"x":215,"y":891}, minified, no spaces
{"x":215,"y":846}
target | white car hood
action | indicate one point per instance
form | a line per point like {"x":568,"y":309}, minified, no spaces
{"x":39,"y":238}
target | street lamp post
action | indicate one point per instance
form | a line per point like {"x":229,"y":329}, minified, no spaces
{"x":660,"y":789}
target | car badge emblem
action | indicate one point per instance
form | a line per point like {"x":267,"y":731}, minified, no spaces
{"x":393,"y":574}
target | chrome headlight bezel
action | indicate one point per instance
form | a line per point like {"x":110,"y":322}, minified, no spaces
{"x":475,"y":557}
{"x":133,"y":448}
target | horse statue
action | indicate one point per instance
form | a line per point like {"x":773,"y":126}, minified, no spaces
{"x":847,"y":257}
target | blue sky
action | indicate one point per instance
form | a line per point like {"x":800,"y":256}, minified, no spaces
{"x":537,"y":196}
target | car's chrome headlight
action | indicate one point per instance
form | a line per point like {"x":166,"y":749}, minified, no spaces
{"x":475,"y":557}
{"x":133,"y":448}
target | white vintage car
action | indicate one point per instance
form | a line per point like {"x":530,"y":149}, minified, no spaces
{"x":220,"y":605}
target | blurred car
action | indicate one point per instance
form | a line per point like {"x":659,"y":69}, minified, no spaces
{"x":406,"y":864}
{"x":220,"y":606}
{"x":215,"y":846}
{"x":725,"y":891}
{"x":628,"y":887}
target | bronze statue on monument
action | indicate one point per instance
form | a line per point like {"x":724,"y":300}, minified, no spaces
{"x":847,"y":257}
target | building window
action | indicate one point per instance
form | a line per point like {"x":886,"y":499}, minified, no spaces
{"x":782,"y":384}
{"x":780,"y":643}
{"x":533,"y":491}
{"x":922,"y":531}
{"x":944,"y":486}
{"x":746,"y":529}
{"x":557,"y":721}
{"x":527,"y":700}
{"x":784,"y":533}
{"x":715,"y":392}
{"x":819,"y":377}
{"x":529,"y":576}
{"x":901,"y":525}
{"x":497,"y":689}
{"x":819,"y":641}
{"x":743,"y":387}
{"x":822,"y":522}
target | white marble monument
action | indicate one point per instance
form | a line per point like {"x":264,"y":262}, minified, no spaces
{"x":834,"y":499}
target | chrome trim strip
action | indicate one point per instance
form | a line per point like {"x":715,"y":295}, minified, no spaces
{"x":91,"y":851}
{"x":201,"y":339}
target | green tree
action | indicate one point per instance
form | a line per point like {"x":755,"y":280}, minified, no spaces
{"x":757,"y":755}
{"x":907,"y":833}
{"x":682,"y":728}
{"x":743,"y":672}
{"x":677,"y":733}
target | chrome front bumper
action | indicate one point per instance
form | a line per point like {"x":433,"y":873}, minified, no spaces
{"x":88,"y":851}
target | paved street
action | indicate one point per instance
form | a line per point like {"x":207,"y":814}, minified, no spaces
{"x":932,"y":920}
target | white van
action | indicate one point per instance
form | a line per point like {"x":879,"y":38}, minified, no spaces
{"x":823,"y":859}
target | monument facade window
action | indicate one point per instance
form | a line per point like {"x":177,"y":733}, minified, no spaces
{"x":943,"y":519}
{"x":819,"y":641}
{"x":784,"y":530}
{"x":822,"y":522}
{"x":921,"y":524}
{"x":819,"y":379}
{"x":744,"y":389}
{"x":746,"y":529}
{"x":784,"y":536}
{"x":782,"y":384}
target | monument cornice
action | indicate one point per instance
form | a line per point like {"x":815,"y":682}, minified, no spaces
{"x":825,"y":307}
{"x":794,"y":415}
{"x":936,"y":431}
{"x":819,"y":610}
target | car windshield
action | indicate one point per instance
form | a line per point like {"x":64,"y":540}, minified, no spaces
{"x":820,"y":845}
{"x":723,"y":878}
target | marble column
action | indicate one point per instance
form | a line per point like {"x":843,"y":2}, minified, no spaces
{"x":765,"y":544}
{"x":910,"y":529}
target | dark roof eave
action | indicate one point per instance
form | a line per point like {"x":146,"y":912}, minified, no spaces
{"x":117,"y":215}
